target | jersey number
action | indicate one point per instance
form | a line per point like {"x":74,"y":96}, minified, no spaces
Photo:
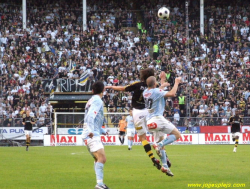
{"x":149,"y":103}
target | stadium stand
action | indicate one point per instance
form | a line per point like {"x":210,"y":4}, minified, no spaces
{"x":119,"y":42}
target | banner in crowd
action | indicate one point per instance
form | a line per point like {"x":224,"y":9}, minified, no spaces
{"x":185,"y":139}
{"x":65,"y":85}
{"x":12,"y":132}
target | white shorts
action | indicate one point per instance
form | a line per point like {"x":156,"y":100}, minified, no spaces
{"x":236,"y":134}
{"x":159,"y":126}
{"x":94,"y":144}
{"x":28,"y":132}
{"x":130,"y":132}
{"x":140,"y":122}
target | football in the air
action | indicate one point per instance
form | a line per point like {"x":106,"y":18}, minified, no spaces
{"x":163,"y":13}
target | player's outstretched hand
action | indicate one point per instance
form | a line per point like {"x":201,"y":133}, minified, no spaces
{"x":178,"y":80}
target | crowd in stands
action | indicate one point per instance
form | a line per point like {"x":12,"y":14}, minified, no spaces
{"x":215,"y":69}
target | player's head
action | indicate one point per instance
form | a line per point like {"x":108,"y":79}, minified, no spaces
{"x":130,"y":111}
{"x":151,"y":82}
{"x":98,"y":87}
{"x":237,"y":112}
{"x":146,"y":73}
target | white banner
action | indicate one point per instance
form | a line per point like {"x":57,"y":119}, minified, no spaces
{"x":12,"y":132}
{"x":186,"y":139}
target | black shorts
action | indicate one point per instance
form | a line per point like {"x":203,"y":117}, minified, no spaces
{"x":235,"y":129}
{"x":121,"y":133}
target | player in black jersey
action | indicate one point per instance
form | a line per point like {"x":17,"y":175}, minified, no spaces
{"x":28,"y":122}
{"x":140,"y":111}
{"x":236,"y":121}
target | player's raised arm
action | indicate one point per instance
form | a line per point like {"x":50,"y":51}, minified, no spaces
{"x":173,"y":91}
{"x":116,"y":88}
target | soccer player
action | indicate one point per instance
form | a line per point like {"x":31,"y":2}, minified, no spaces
{"x":139,"y":110}
{"x":122,"y":129}
{"x":92,"y":129}
{"x":156,"y":123}
{"x":28,"y":122}
{"x":236,"y":121}
{"x":130,"y":129}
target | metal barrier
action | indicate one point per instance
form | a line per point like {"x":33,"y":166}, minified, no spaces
{"x":112,"y":120}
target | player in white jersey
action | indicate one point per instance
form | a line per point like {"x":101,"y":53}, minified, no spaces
{"x":130,"y":129}
{"x":92,"y":129}
{"x":157,"y":124}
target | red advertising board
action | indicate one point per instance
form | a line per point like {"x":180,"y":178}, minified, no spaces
{"x":222,"y":129}
{"x":215,"y":129}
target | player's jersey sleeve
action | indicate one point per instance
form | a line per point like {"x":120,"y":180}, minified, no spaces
{"x":131,"y":87}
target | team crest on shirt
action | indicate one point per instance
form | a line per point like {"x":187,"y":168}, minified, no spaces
{"x":95,"y":112}
{"x":146,"y":95}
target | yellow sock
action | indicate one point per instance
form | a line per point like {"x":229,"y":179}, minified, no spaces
{"x":236,"y":142}
{"x":148,"y":149}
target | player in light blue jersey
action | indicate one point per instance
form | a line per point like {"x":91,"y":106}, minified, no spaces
{"x":157,"y":124}
{"x":92,"y":129}
{"x":130,"y":129}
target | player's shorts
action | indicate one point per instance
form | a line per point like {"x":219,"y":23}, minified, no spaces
{"x":159,"y":126}
{"x":28,"y":132}
{"x":94,"y":144}
{"x":130,"y":132}
{"x":140,"y":122}
{"x":236,"y":134}
{"x":121,"y":133}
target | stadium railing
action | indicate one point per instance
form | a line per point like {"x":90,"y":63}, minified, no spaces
{"x":70,"y":119}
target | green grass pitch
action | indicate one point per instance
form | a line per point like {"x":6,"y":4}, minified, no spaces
{"x":72,"y":167}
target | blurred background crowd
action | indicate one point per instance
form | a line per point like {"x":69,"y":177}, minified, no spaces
{"x":123,"y":37}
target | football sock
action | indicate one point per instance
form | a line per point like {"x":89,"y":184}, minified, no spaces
{"x":99,"y":173}
{"x":236,"y":143}
{"x":131,"y":143}
{"x":27,"y":141}
{"x":168,"y":140}
{"x":148,"y":149}
{"x":163,"y":158}
{"x":165,"y":153}
{"x":120,"y":139}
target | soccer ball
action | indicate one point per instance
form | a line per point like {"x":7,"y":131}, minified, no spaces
{"x":163,"y":13}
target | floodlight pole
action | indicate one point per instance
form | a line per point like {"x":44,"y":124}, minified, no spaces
{"x":84,"y":15}
{"x":202,"y":16}
{"x":187,"y":59}
{"x":24,"y":14}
